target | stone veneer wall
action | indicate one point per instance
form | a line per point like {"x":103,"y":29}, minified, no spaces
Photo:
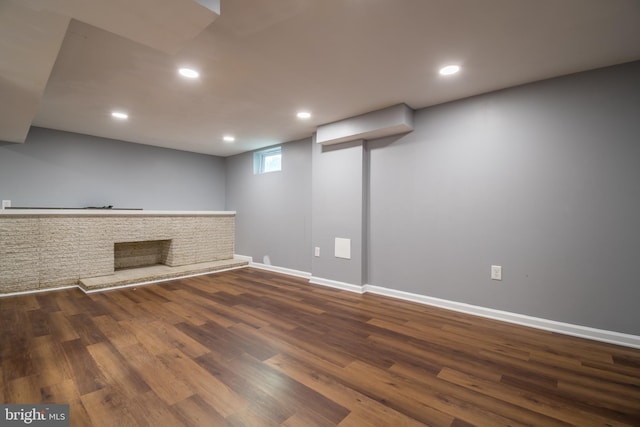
{"x":42,"y":251}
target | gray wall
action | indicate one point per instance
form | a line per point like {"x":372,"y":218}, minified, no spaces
{"x":273,"y":209}
{"x":63,"y":169}
{"x":337,"y":186}
{"x":543,"y":179}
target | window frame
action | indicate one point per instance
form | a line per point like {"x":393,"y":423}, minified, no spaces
{"x":260,"y":160}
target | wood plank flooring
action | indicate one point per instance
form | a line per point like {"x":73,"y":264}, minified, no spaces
{"x":253,"y":348}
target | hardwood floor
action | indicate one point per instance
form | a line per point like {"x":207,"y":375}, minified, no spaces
{"x":252,"y":348}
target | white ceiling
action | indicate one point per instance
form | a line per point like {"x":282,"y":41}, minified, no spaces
{"x":66,"y":64}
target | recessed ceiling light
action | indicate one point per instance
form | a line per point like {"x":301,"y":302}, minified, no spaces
{"x":449,"y":69}
{"x":229,"y":138}
{"x":304,"y":115}
{"x":189,"y":73}
{"x":119,"y":115}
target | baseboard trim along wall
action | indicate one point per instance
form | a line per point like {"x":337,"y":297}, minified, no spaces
{"x":610,"y":337}
{"x":337,"y":285}
{"x":274,"y":268}
{"x":37,"y":291}
{"x":595,"y":334}
{"x":283,"y":270}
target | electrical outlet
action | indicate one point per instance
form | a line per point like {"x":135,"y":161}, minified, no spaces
{"x":317,"y":251}
{"x":496,"y":272}
{"x":6,"y":204}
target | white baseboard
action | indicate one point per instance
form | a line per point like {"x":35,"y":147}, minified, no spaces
{"x":274,"y":268}
{"x":611,"y":337}
{"x":337,"y":285}
{"x":37,"y":291}
{"x":595,"y":334}
{"x":283,"y":270}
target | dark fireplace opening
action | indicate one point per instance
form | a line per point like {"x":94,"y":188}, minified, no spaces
{"x":140,"y":254}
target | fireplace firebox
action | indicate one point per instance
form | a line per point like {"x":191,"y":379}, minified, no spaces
{"x":140,"y":254}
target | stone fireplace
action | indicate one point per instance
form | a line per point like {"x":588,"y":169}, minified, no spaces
{"x":53,"y":248}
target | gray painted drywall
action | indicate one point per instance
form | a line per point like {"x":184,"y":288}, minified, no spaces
{"x":338,"y":195}
{"x":273,"y":209}
{"x":543,"y":179}
{"x":62,"y":169}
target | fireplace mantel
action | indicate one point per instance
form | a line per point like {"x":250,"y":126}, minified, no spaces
{"x":109,"y":212}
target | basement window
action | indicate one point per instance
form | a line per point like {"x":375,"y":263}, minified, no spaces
{"x":268,"y":160}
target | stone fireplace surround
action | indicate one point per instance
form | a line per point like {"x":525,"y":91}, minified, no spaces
{"x":42,"y":249}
